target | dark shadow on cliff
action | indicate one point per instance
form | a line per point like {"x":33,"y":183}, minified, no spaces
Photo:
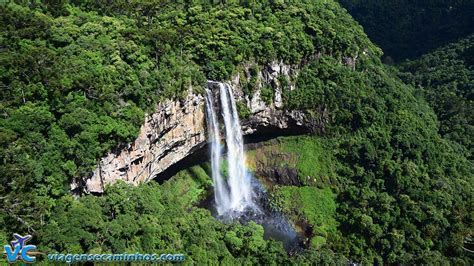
{"x":252,"y":141}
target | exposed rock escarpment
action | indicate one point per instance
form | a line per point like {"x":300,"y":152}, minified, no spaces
{"x":168,"y":135}
{"x":178,"y":129}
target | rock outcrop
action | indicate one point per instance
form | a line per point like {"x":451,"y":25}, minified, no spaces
{"x":178,"y":129}
{"x":168,"y":135}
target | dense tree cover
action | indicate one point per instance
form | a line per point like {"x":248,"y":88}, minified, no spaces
{"x":446,"y":79}
{"x":221,"y":36}
{"x":72,"y":88}
{"x":77,"y":77}
{"x":408,"y":29}
{"x":160,"y":219}
{"x":405,"y":193}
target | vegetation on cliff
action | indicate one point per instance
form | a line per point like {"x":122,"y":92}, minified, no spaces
{"x":395,"y":169}
{"x":76,"y":79}
{"x":445,"y":78}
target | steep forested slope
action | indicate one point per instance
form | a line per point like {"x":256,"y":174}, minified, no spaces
{"x":446,"y":79}
{"x":407,"y":29}
{"x":77,"y":78}
{"x":76,"y":83}
{"x":398,"y":176}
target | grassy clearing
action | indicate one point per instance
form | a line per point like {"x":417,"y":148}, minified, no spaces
{"x":311,"y":156}
{"x":190,"y":185}
{"x":315,"y":206}
{"x":315,"y":162}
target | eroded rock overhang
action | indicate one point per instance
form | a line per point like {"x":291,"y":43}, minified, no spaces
{"x":177,"y":129}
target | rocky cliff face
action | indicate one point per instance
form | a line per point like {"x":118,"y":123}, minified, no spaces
{"x":178,"y":129}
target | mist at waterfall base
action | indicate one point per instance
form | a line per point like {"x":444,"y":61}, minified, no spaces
{"x":238,"y":196}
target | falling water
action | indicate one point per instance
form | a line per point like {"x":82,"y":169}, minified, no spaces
{"x":239,"y":177}
{"x":235,"y":194}
{"x":220,"y":190}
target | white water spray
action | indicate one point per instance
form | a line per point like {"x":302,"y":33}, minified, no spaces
{"x":236,"y":194}
{"x":220,"y":190}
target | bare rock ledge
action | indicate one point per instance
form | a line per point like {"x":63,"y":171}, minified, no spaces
{"x":177,"y":129}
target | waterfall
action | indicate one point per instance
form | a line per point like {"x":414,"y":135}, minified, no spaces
{"x":239,"y":178}
{"x":234,"y":194}
{"x":220,"y":190}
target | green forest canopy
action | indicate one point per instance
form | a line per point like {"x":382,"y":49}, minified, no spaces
{"x":446,"y":79}
{"x":406,"y":29}
{"x":77,"y":79}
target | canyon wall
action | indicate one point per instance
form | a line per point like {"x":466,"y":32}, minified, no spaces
{"x":177,"y":129}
